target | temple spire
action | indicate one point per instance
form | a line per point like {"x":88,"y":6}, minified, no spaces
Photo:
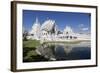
{"x":37,"y":21}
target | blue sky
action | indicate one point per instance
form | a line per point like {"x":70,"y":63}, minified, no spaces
{"x":73,"y":19}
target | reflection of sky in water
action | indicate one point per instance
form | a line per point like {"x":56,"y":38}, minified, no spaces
{"x":61,"y":51}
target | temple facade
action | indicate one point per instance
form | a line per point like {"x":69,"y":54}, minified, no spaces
{"x":49,"y":31}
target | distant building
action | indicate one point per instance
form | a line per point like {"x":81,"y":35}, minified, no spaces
{"x":49,"y":31}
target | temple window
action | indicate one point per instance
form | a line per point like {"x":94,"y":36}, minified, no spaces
{"x":32,"y":34}
{"x":70,"y":37}
{"x":66,"y":32}
{"x":75,"y":37}
{"x":67,"y":37}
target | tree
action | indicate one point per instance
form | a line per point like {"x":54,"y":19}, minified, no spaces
{"x":25,"y":34}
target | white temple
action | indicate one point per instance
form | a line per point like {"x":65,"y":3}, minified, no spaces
{"x":49,"y":31}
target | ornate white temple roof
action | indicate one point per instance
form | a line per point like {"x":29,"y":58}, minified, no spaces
{"x":48,"y":25}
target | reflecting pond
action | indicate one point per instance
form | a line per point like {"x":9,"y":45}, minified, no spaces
{"x":61,"y":51}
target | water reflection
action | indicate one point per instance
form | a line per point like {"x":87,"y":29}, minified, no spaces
{"x":65,"y":51}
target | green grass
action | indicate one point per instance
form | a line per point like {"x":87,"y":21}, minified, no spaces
{"x":29,"y":53}
{"x":31,"y":43}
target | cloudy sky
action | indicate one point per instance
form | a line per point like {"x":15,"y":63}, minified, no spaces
{"x":78,"y":21}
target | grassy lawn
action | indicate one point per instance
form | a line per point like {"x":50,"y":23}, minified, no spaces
{"x":31,"y":43}
{"x":29,"y":53}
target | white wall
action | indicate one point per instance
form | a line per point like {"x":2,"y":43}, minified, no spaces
{"x":5,"y":37}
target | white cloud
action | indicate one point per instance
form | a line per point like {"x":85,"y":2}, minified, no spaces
{"x":81,"y":25}
{"x":85,"y":29}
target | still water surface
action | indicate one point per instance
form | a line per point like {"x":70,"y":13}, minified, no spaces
{"x":65,"y":51}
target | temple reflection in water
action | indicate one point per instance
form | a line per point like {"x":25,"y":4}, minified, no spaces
{"x":61,"y":51}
